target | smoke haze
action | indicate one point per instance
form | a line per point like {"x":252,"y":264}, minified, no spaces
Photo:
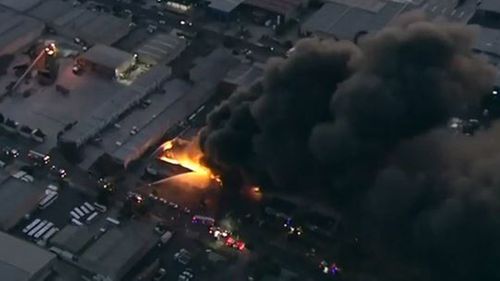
{"x":362,"y":127}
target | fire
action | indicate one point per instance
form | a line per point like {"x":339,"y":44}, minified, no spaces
{"x":254,"y":192}
{"x":186,"y":154}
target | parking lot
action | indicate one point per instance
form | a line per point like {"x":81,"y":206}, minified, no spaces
{"x":57,"y":213}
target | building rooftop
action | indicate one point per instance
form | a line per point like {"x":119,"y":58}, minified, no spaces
{"x":106,"y":56}
{"x":102,"y":116}
{"x":87,"y":91}
{"x":17,"y":31}
{"x":21,"y":260}
{"x":179,"y":100}
{"x":282,"y":7}
{"x":72,"y":238}
{"x":164,"y":114}
{"x":20,"y":6}
{"x":116,"y":251}
{"x":490,"y":6}
{"x":18,"y":199}
{"x":162,"y":47}
{"x":345,"y":22}
{"x":94,"y":27}
{"x":488,"y":42}
{"x":109,"y":111}
{"x":213,"y":67}
{"x":373,"y":6}
{"x":152,"y":79}
{"x":225,"y":6}
{"x":244,"y":75}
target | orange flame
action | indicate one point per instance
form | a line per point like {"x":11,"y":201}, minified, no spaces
{"x":186,"y":154}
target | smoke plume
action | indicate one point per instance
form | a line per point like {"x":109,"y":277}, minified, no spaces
{"x":361,"y":126}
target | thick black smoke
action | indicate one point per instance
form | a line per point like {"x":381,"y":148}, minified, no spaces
{"x":360,"y":124}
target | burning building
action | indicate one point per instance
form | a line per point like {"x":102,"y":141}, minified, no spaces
{"x":361,"y":128}
{"x":186,"y":154}
{"x":183,"y":153}
{"x":182,"y":178}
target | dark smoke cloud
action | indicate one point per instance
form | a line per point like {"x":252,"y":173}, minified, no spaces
{"x":264,"y":132}
{"x":359,"y":125}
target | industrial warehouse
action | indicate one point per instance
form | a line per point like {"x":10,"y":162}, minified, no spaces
{"x":22,"y":261}
{"x":130,"y":136}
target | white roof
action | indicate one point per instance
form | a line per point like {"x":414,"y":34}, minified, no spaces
{"x":107,"y":56}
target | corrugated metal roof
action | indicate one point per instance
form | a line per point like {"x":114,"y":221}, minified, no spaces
{"x":325,"y":18}
{"x":282,"y":7}
{"x":16,"y":29}
{"x":106,"y":56}
{"x":225,"y":5}
{"x":213,"y":67}
{"x":345,"y":22}
{"x":490,"y":6}
{"x":18,"y":199}
{"x":72,"y":238}
{"x":21,"y":260}
{"x":183,"y":100}
{"x":245,"y":75}
{"x":163,"y":47}
{"x":153,"y":129}
{"x":93,"y":27}
{"x":488,"y":41}
{"x":116,"y":251}
{"x":373,"y":6}
{"x":109,"y":111}
{"x":18,"y":5}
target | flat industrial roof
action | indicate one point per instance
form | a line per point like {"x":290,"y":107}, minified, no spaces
{"x":282,"y":7}
{"x":118,"y":249}
{"x":213,"y":67}
{"x":72,"y":238}
{"x":101,"y":117}
{"x":86,"y":93}
{"x":245,"y":75}
{"x":106,"y":56}
{"x":109,"y":111}
{"x":490,"y":6}
{"x":373,"y":6}
{"x":162,"y":47}
{"x":18,"y":199}
{"x":225,"y":6}
{"x":488,"y":41}
{"x":164,"y":116}
{"x":94,"y":27}
{"x":21,"y":260}
{"x":17,"y":31}
{"x":179,"y":101}
{"x":20,"y":5}
{"x":152,"y":78}
{"x":344,"y":22}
